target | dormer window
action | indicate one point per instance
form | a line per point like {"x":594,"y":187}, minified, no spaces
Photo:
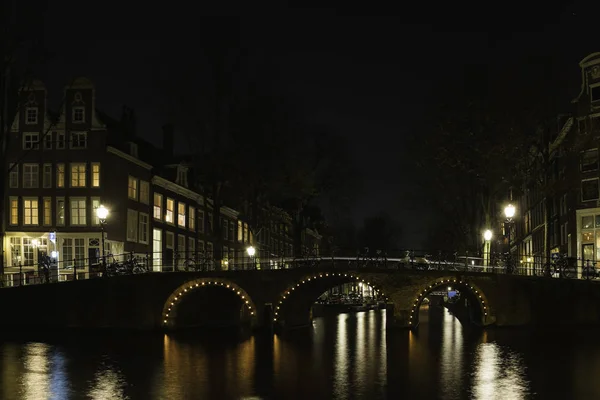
{"x":78,"y":114}
{"x":31,"y":115}
{"x":182,"y":176}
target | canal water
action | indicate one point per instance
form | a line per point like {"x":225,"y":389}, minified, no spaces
{"x":346,"y":356}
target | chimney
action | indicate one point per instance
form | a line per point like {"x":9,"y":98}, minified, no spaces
{"x":168,"y":139}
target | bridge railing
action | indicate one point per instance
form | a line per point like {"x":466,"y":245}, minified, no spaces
{"x":43,"y":269}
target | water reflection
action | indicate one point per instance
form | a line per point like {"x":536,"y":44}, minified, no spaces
{"x":35,"y":379}
{"x":499,"y":374}
{"x":452,"y":361}
{"x":341,"y":356}
{"x":108,"y":383}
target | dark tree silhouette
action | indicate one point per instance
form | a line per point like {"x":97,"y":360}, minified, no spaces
{"x":380,"y":232}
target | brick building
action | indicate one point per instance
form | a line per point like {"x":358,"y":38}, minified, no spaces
{"x":64,"y":167}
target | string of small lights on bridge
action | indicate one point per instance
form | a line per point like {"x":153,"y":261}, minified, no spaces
{"x":320,"y":276}
{"x":188,"y":287}
{"x":441,"y":282}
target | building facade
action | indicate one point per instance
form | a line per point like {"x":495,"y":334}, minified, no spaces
{"x":61,"y":169}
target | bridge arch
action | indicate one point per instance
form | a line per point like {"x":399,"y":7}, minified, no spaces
{"x":248,"y":310}
{"x":483,"y":312}
{"x":293,"y":307}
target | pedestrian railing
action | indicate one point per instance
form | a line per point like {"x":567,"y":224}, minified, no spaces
{"x":43,"y":269}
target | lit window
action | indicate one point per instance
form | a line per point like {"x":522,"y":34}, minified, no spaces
{"x":78,"y":114}
{"x":192,"y":218}
{"x":78,"y":140}
{"x":60,"y":211}
{"x":132,"y":188}
{"x":144,"y":192}
{"x":31,"y":141}
{"x":30,"y":211}
{"x":31,"y":175}
{"x":31,"y":115}
{"x":169,"y":211}
{"x":158,"y":206}
{"x":47,"y":211}
{"x":95,"y":205}
{"x":95,"y":174}
{"x":144,"y":226}
{"x":14,"y":211}
{"x":78,"y":175}
{"x":191,"y":248}
{"x":60,"y":175}
{"x":132,"y":225}
{"x":181,"y":214}
{"x":240,"y":233}
{"x":78,"y":211}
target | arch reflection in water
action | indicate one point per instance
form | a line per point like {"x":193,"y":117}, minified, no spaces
{"x":207,"y":367}
{"x":452,"y":364}
{"x":499,"y":374}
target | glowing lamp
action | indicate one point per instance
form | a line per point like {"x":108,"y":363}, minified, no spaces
{"x":509,"y":211}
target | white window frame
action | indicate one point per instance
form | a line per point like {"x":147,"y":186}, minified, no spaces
{"x":157,"y":209}
{"x":35,"y":211}
{"x":13,"y":178}
{"x":133,"y":191}
{"x":34,"y":121}
{"x":95,"y":202}
{"x":172,"y":236}
{"x":60,"y":173}
{"x":64,"y":211}
{"x":31,"y":139}
{"x":141,"y":230}
{"x":592,"y":86}
{"x":201,"y":221}
{"x":172,"y":211}
{"x":96,"y":174}
{"x":144,"y":189}
{"x":191,"y":248}
{"x":79,"y":175}
{"x":78,"y":146}
{"x":47,"y":211}
{"x":47,"y":139}
{"x":192,"y":218}
{"x":597,"y":194}
{"x":79,"y":217}
{"x":132,"y":225}
{"x":73,"y":113}
{"x":181,"y":217}
{"x":13,"y":202}
{"x":61,"y":140}
{"x":35,"y":183}
{"x":47,"y":176}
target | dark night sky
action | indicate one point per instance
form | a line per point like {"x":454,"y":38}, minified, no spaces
{"x":370,"y":78}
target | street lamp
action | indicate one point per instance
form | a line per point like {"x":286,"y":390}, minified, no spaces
{"x":487,"y":237}
{"x":102,"y":214}
{"x":251,"y":252}
{"x":509,"y":213}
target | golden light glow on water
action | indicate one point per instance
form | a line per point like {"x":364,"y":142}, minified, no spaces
{"x":452,"y":357}
{"x":360,"y":349}
{"x":498,"y":374}
{"x":36,"y":376}
{"x":109,"y":383}
{"x":341,"y":367}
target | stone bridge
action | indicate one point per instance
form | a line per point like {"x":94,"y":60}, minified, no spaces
{"x":284,"y":298}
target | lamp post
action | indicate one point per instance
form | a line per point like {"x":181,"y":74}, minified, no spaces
{"x":487,"y":237}
{"x":251,"y":252}
{"x":102,"y":214}
{"x":509,"y":213}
